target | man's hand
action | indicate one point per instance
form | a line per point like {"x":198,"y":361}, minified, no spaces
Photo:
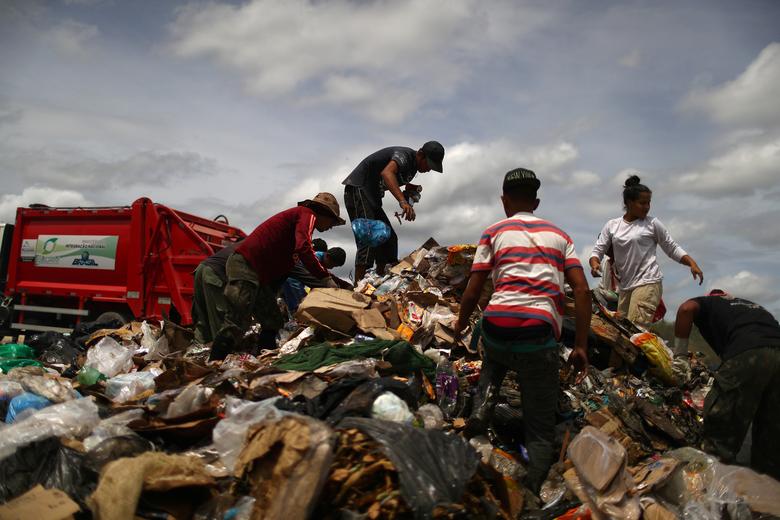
{"x":457,"y":328}
{"x":579,"y":360}
{"x":408,"y":211}
{"x":681,"y":369}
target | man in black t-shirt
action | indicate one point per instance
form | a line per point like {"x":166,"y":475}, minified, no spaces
{"x":747,"y":384}
{"x":386,"y":170}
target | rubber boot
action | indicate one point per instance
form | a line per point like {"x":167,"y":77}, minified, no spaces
{"x":485,"y":399}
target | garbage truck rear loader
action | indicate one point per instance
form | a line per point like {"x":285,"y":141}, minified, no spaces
{"x":66,"y":265}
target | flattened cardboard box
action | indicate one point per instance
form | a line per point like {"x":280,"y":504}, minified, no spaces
{"x":40,"y":504}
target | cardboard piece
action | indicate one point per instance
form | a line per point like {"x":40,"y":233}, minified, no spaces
{"x":600,"y":465}
{"x":653,"y":474}
{"x":286,"y":463}
{"x":41,"y":504}
{"x":333,"y":309}
{"x":342,"y":311}
{"x":123,"y":480}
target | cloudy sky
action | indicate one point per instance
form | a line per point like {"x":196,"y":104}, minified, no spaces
{"x":245,"y":108}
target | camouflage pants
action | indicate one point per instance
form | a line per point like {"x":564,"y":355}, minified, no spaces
{"x":246,"y":298}
{"x":746,"y":389}
{"x":208,"y":304}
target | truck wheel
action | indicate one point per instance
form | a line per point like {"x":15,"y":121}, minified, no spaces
{"x":111,"y":316}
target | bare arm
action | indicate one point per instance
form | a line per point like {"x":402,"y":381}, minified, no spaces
{"x":391,"y":181}
{"x":575,"y":277}
{"x":470,"y":299}
{"x":695,"y":269}
{"x":685,"y":316}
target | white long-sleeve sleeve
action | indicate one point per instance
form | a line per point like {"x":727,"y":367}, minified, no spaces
{"x":667,"y":243}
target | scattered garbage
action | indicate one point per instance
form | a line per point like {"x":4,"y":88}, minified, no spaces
{"x":361,"y":412}
{"x":110,"y":358}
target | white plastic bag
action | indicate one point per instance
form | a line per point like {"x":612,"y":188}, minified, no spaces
{"x":126,"y":387}
{"x":230,"y":432}
{"x":74,"y":418}
{"x":110,"y":358}
{"x":191,"y":399}
{"x":390,"y":407}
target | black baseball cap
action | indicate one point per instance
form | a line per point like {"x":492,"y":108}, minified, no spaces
{"x":338,"y":256}
{"x":434,"y":155}
{"x":521,"y":177}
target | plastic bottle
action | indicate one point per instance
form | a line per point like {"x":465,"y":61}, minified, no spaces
{"x":446,"y":385}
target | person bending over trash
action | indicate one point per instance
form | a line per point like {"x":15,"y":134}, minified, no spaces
{"x":294,"y":287}
{"x":747,"y":383}
{"x":387,"y":170}
{"x":208,"y":298}
{"x":529,"y":259}
{"x":256,"y":270}
{"x":634,"y":238}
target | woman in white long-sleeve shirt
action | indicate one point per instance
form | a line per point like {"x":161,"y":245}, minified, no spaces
{"x":634,"y":237}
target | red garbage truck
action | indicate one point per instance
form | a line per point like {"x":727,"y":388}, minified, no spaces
{"x":66,"y":265}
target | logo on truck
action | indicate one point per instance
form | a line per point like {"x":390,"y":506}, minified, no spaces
{"x":49,"y":246}
{"x":84,"y":260}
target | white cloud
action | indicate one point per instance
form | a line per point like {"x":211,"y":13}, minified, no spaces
{"x":583,"y":178}
{"x":751,"y":99}
{"x":39,"y":195}
{"x":631,"y":60}
{"x":744,"y":169}
{"x":82,"y":170}
{"x":364,"y":55}
{"x":745,"y":284}
{"x":72,"y":38}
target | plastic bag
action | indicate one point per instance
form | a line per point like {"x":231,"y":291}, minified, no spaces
{"x":114,"y":426}
{"x":390,"y":407}
{"x":154,"y":343}
{"x":56,"y":390}
{"x":13,"y":355}
{"x":22,"y":403}
{"x":230,"y":432}
{"x":658,"y":354}
{"x":54,"y":348}
{"x":191,"y":399}
{"x":110,"y":358}
{"x":16,"y":351}
{"x":704,"y":488}
{"x":431,"y":417}
{"x":433,"y":467}
{"x":89,"y":376}
{"x":126,"y":387}
{"x":72,"y":418}
{"x":370,"y":233}
{"x":9,"y":390}
{"x":49,"y":464}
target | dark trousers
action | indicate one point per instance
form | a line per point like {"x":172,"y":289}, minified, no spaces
{"x":746,"y":389}
{"x":365,"y":203}
{"x":208,"y":304}
{"x":537,"y":378}
{"x":246,"y":298}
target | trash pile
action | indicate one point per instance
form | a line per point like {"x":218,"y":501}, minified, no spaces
{"x":359,"y":413}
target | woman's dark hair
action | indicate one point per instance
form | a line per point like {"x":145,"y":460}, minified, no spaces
{"x":632,"y":189}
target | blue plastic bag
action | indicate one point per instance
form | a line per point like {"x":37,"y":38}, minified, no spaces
{"x":370,"y":233}
{"x":25,"y":401}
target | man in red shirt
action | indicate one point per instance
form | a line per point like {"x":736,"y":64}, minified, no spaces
{"x":261,"y":263}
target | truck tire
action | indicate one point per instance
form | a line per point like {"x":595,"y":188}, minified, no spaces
{"x":111,"y":316}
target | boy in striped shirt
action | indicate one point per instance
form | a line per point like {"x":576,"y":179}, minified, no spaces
{"x":529,"y":259}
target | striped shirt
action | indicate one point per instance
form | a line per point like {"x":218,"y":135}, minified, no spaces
{"x":528,"y":257}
